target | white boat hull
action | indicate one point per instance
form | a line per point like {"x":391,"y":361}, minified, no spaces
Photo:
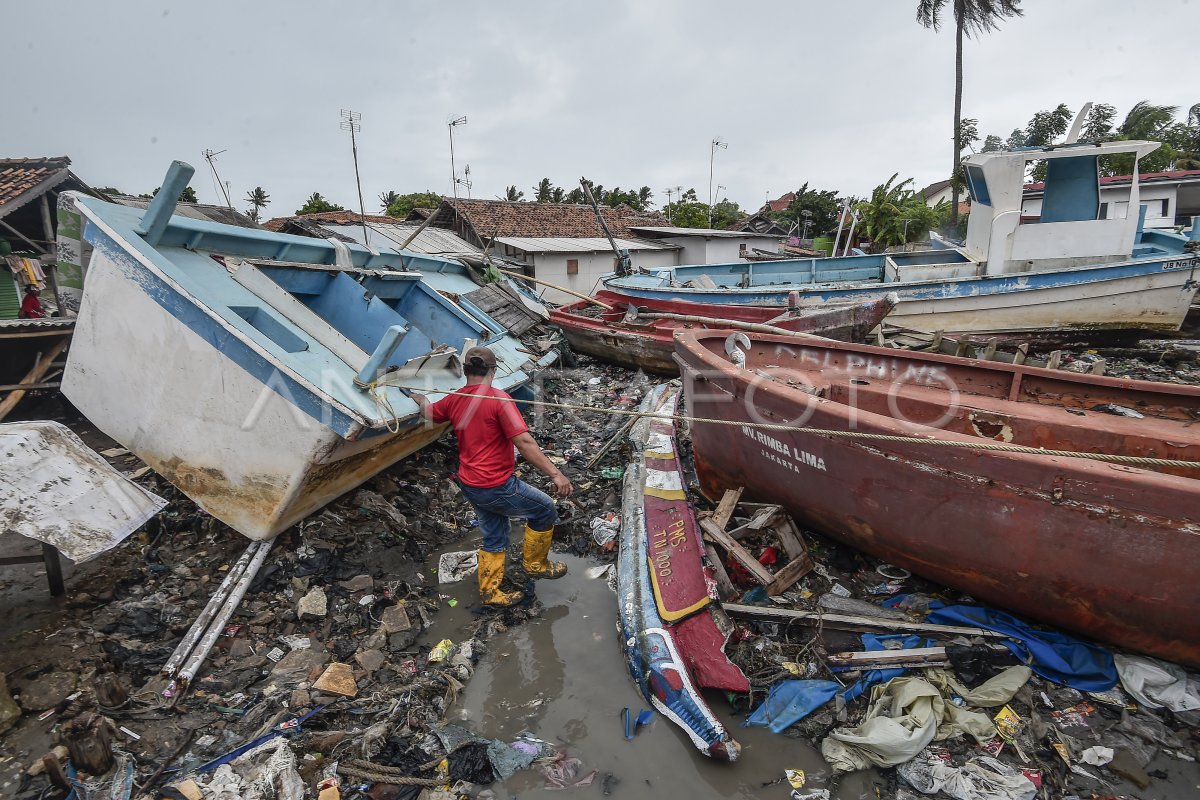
{"x":242,"y":449}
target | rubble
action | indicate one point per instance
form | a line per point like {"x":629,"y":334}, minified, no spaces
{"x":335,"y":657}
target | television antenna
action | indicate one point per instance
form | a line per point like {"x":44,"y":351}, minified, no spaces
{"x":352,"y":121}
{"x":211,"y":158}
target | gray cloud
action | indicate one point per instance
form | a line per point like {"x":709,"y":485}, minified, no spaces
{"x":627,"y":93}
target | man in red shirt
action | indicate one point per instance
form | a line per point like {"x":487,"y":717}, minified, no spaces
{"x":31,"y":306}
{"x":488,"y":425}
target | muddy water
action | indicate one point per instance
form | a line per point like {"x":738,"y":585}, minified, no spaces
{"x":563,"y":678}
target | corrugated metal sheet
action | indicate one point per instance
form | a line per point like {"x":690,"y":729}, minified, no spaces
{"x":431,"y":241}
{"x":707,"y":232}
{"x":10,"y":298}
{"x":560,"y":244}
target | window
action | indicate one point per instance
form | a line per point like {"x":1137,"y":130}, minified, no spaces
{"x":1156,"y":208}
{"x":977,"y":185}
{"x":572,"y":266}
{"x":1103,"y":211}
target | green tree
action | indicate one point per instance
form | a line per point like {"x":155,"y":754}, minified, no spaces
{"x":895,"y":214}
{"x":558,"y":195}
{"x":544,"y":191}
{"x":1015,"y":140}
{"x":316,"y":204}
{"x":992,"y":144}
{"x":110,"y":190}
{"x":386,"y":199}
{"x":972,"y":18}
{"x":188,"y":195}
{"x":968,"y":132}
{"x":1046,"y":126}
{"x":725,"y":213}
{"x":824,"y":206}
{"x":1098,"y":126}
{"x":258,"y":199}
{"x":403,"y":204}
{"x":512,"y":193}
{"x":645,"y":195}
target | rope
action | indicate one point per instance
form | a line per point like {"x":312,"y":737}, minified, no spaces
{"x":1110,"y":458}
{"x":380,"y":398}
{"x":375,"y":775}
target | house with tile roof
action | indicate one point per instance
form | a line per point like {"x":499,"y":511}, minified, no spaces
{"x":29,"y":190}
{"x":1171,"y":198}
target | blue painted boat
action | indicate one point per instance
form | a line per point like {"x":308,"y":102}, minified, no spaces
{"x":1067,"y":269}
{"x":668,"y":649}
{"x":261,"y":373}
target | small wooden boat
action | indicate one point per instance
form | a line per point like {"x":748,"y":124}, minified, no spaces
{"x":669,"y":631}
{"x":256,"y":370}
{"x":638,"y":333}
{"x":1068,"y":270}
{"x":1108,"y":550}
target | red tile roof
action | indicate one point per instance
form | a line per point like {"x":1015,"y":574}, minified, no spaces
{"x":782,"y":203}
{"x":1143,"y":177}
{"x":330,"y":218}
{"x":508,"y":218}
{"x":20,"y":175}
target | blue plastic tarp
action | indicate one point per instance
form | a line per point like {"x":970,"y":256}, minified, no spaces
{"x":1055,"y":656}
{"x":788,"y":702}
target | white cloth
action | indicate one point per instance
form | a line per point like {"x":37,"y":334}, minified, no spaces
{"x":1155,"y":683}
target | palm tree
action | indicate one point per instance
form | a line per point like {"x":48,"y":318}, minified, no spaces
{"x":387,"y":198}
{"x":258,"y":199}
{"x":512,"y":193}
{"x":971,"y":18}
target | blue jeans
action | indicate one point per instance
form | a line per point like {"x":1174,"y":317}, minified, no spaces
{"x":512,"y":499}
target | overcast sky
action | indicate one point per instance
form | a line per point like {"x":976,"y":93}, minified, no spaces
{"x":628,"y":93}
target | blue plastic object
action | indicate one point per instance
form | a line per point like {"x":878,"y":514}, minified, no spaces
{"x":1052,"y":655}
{"x":788,"y":702}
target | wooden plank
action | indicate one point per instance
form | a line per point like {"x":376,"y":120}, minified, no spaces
{"x":790,"y":538}
{"x":885,"y":658}
{"x":989,"y":352}
{"x":8,"y":387}
{"x":765,"y":518}
{"x":40,"y":368}
{"x":725,"y":587}
{"x":725,"y":508}
{"x":1022,"y":352}
{"x":38,"y":334}
{"x":1055,"y":360}
{"x":854,"y":622}
{"x":784,"y":579}
{"x":741,"y":554}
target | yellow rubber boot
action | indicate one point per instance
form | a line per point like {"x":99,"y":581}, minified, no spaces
{"x":537,"y":549}
{"x":491,"y":573}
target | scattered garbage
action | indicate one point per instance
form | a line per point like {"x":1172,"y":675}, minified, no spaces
{"x":453,"y":567}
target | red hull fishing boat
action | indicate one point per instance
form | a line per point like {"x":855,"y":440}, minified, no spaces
{"x":1109,"y":550}
{"x":637,"y":333}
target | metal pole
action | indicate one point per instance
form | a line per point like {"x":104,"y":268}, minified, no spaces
{"x":841,"y":221}
{"x":453,"y":172}
{"x":198,"y":627}
{"x":362,"y":209}
{"x":218,"y":624}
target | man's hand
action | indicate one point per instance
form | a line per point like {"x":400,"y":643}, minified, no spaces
{"x":562,"y":486}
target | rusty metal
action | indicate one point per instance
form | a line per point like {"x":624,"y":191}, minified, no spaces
{"x":646,"y":343}
{"x":1108,"y":551}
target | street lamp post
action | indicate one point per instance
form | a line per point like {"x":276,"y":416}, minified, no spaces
{"x":452,"y":124}
{"x":807,"y":214}
{"x":712,"y":154}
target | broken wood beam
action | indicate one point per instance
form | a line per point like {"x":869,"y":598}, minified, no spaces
{"x":852,"y":622}
{"x":40,"y":368}
{"x":718,"y":536}
{"x":872,"y":659}
{"x":726,"y":507}
{"x":725,"y":587}
{"x":793,"y":571}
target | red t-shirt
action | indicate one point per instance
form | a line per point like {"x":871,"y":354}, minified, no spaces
{"x":485,"y":429}
{"x":31,"y":308}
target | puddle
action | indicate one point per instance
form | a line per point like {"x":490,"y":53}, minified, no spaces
{"x":563,"y":678}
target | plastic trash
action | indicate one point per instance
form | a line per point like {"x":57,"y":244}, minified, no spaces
{"x":1154,"y":683}
{"x":453,"y":567}
{"x":982,"y":778}
{"x":441,"y":651}
{"x":605,"y":528}
{"x":788,"y":702}
{"x":1098,"y":756}
{"x":633,"y":724}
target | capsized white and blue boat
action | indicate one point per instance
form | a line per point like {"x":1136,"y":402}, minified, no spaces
{"x":1068,"y":269}
{"x":260,"y":372}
